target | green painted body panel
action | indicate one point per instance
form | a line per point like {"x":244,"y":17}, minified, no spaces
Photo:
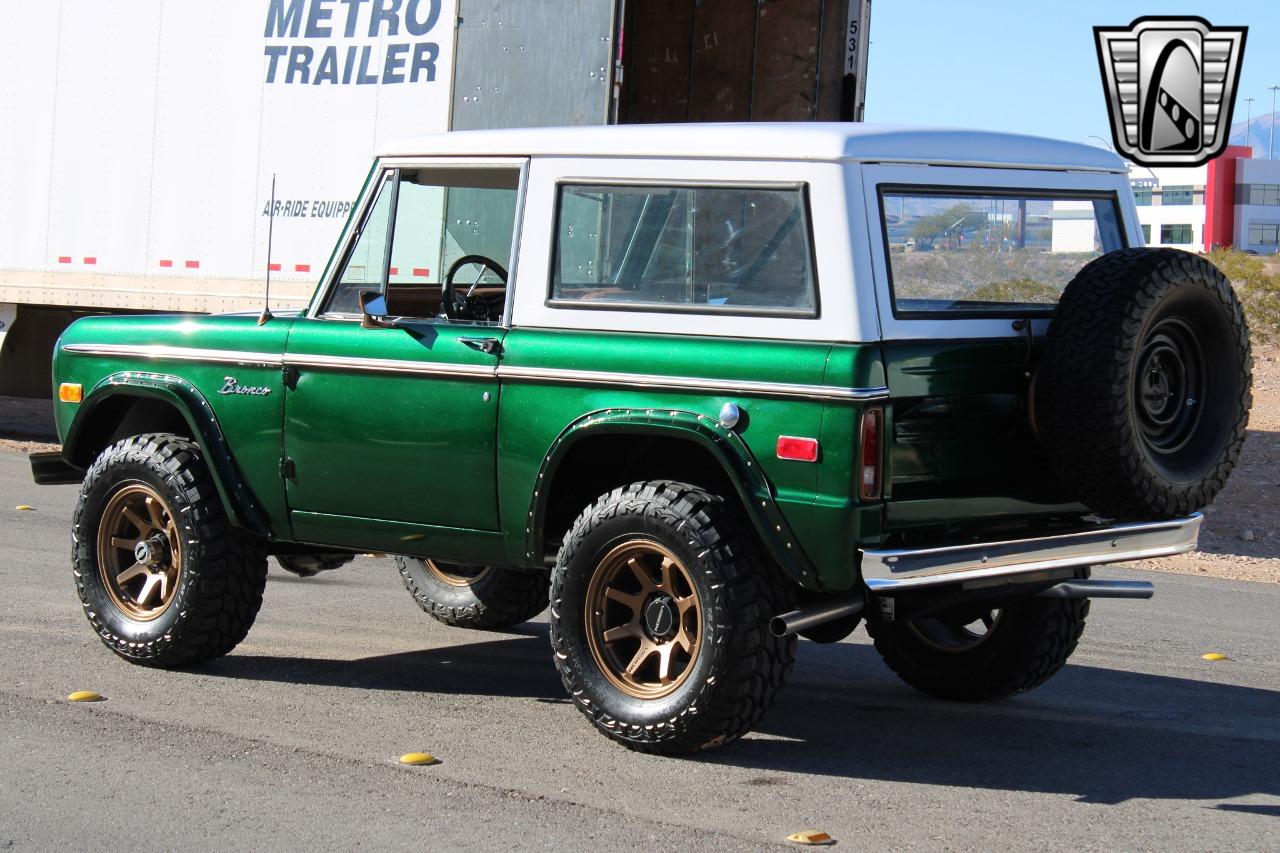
{"x":400,"y":537}
{"x":388,"y":457}
{"x":406,"y":447}
{"x":841,"y":523}
{"x":813,"y":500}
{"x":251,"y":425}
{"x":963,"y":449}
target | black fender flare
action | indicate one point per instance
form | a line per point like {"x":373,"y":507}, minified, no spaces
{"x":726,"y":446}
{"x":238,"y":500}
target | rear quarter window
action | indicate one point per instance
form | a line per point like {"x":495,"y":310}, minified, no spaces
{"x":734,"y":250}
{"x":990,"y":253}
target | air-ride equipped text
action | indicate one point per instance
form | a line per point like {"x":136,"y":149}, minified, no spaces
{"x":359,"y":61}
{"x":303,"y":208}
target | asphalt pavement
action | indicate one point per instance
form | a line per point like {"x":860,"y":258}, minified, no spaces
{"x":291,"y":742}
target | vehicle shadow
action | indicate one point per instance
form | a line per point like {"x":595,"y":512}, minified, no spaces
{"x":518,"y":664}
{"x":1100,"y":735}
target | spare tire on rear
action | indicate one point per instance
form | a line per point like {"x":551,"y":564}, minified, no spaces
{"x":1143,"y":394}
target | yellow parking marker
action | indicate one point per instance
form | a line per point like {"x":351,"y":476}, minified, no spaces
{"x":86,"y":696}
{"x":419,"y":759}
{"x":1215,"y":656}
{"x":811,"y":836}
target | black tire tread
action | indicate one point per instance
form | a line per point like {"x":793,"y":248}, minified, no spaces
{"x":510,"y":597}
{"x":232,"y":565}
{"x":1046,"y":636}
{"x":759,"y":662}
{"x":1086,"y":371}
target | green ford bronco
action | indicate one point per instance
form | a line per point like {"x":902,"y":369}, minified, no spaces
{"x":699,"y":390}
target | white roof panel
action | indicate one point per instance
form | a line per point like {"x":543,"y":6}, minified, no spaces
{"x":819,"y":141}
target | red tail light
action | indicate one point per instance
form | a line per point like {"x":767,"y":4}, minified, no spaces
{"x":870,"y":476}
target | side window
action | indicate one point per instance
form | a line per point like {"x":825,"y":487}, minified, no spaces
{"x":700,"y":249}
{"x":435,"y":217}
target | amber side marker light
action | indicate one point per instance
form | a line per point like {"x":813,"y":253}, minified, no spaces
{"x":70,"y":392}
{"x":869,"y":472}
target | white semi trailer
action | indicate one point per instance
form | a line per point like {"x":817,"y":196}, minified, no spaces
{"x":139,"y":140}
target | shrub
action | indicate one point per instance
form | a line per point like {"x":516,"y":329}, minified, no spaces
{"x":1019,"y":291}
{"x":1258,"y":289}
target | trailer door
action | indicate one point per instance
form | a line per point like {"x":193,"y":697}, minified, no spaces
{"x":532,"y":63}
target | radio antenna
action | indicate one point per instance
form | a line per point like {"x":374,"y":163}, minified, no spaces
{"x":271,"y":221}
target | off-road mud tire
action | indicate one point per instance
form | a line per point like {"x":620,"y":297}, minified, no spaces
{"x":741,"y":666}
{"x":224,"y":569}
{"x":1087,"y":404}
{"x":1030,"y":643}
{"x":498,"y":599}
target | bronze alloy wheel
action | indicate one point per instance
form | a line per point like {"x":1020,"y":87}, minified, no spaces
{"x":139,"y":558}
{"x":456,"y":574}
{"x":643,"y":619}
{"x":957,"y":633}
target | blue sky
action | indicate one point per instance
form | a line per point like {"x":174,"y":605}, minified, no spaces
{"x":1030,"y":67}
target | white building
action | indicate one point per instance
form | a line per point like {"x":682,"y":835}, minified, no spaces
{"x":1257,"y":206}
{"x":1232,"y":200}
{"x":1171,"y":205}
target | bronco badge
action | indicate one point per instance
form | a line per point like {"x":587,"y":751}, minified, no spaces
{"x":230,"y":385}
{"x":1171,"y":86}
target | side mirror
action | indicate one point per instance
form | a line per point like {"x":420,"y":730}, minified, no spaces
{"x":373,"y":311}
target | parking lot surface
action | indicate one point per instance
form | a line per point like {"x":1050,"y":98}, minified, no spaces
{"x":292,"y":741}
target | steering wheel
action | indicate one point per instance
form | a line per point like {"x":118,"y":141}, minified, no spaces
{"x":451,"y":306}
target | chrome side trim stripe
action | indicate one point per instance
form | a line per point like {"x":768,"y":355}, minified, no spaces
{"x":477,"y":371}
{"x":390,"y":366}
{"x":690,"y":383}
{"x":168,"y":353}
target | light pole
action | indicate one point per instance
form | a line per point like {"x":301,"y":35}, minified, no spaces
{"x":1272,"y":142}
{"x":1248,"y":121}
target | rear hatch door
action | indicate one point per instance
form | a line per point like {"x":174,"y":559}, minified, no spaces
{"x":969,"y":264}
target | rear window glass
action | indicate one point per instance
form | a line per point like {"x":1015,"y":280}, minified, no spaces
{"x":995,"y":252}
{"x":701,"y":249}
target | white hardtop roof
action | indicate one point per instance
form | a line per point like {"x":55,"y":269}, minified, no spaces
{"x":812,"y":141}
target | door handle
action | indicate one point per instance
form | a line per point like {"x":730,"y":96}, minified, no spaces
{"x":489,"y":346}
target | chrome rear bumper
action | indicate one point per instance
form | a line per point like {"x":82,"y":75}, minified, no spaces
{"x":889,"y":570}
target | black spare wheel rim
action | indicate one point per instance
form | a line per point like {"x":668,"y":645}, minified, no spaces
{"x":1142,"y":397}
{"x":1169,"y":386}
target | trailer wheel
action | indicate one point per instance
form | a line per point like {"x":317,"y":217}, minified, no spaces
{"x":659,"y":620}
{"x":165,"y":578}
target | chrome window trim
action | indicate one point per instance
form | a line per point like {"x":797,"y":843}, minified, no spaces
{"x":896,"y":569}
{"x":384,"y":164}
{"x":474,"y":371}
{"x":814,"y":312}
